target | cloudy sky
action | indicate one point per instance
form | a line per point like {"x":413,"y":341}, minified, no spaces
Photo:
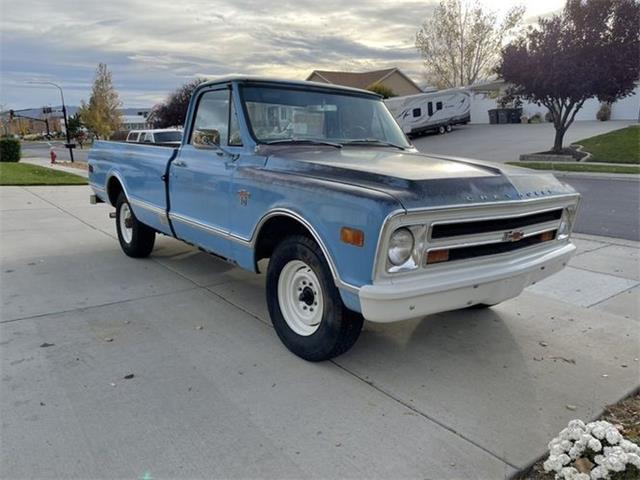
{"x":153,"y":47}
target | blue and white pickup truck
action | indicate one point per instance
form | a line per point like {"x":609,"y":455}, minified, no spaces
{"x":355,"y":222}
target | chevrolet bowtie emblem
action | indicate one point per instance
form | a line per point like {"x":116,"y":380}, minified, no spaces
{"x":513,"y":236}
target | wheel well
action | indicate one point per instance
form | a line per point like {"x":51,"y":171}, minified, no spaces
{"x":275,"y":230}
{"x":114,"y":188}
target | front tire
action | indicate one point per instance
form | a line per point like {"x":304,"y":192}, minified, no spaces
{"x":448,"y":128}
{"x":136,"y":239}
{"x":441,"y":130}
{"x":305,"y":305}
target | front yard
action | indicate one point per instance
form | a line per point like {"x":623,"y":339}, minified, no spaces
{"x":26,"y":174}
{"x":619,"y":146}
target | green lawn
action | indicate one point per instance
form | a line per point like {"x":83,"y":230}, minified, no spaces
{"x":578,"y":167}
{"x":619,"y":146}
{"x":26,"y":174}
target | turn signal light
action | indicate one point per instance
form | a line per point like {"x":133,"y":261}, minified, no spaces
{"x":352,"y":236}
{"x":437,"y":256}
{"x":547,"y":236}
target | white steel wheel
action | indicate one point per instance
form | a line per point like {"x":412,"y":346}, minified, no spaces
{"x":126,"y":223}
{"x":300,"y":298}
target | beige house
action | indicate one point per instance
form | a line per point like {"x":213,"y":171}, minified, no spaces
{"x":392,"y":78}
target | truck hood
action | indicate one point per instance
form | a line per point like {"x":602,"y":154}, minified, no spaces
{"x":415,"y":179}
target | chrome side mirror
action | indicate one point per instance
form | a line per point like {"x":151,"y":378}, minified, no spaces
{"x":206,"y":139}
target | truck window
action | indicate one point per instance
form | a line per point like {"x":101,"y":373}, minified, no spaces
{"x":417,"y":112}
{"x":132,"y":137}
{"x":438,"y":105}
{"x":430,"y":108}
{"x":148,"y":137}
{"x":211,"y":123}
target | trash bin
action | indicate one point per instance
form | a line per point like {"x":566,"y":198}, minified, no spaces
{"x":503,"y":116}
{"x":493,"y":116}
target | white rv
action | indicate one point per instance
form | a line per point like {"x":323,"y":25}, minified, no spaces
{"x":432,"y":111}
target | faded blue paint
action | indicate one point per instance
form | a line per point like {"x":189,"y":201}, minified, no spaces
{"x":329,"y":188}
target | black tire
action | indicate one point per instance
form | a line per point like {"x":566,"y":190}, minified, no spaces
{"x":448,"y":128}
{"x":142,"y":236}
{"x":339,"y":328}
{"x":442,"y":130}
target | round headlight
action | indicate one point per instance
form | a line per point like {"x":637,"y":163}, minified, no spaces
{"x":400,"y":246}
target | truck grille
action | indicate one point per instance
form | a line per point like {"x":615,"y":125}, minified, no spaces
{"x":446,"y":230}
{"x":496,"y":248}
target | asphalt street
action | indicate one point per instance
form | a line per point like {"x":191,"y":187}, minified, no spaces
{"x":610,"y":207}
{"x":41,"y":150}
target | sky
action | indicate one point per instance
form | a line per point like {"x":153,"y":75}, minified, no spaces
{"x":152,"y":48}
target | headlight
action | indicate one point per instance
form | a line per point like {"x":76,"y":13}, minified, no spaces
{"x":400,"y":246}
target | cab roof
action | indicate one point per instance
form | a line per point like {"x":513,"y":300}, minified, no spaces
{"x":268,"y":81}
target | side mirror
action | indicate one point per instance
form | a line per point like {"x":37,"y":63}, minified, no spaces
{"x":206,"y":139}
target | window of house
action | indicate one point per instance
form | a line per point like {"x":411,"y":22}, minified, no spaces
{"x":417,"y":112}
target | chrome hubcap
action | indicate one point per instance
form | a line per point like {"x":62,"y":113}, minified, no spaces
{"x":126,"y":222}
{"x":300,"y":298}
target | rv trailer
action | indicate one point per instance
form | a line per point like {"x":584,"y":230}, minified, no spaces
{"x":433,"y":111}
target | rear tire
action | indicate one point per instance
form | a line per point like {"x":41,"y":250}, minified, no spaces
{"x":136,"y":239}
{"x":305,"y":305}
{"x":441,"y":129}
{"x":448,"y":128}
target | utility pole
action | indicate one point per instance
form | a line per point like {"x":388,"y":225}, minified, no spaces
{"x":69,"y":145}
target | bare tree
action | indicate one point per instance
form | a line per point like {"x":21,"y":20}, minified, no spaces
{"x":461,"y":42}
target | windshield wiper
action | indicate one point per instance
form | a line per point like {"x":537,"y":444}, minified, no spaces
{"x":309,"y":141}
{"x":373,"y":141}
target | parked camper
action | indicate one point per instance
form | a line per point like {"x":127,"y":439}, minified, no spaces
{"x":434,"y":111}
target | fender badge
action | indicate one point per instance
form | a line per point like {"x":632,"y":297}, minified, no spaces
{"x":244,"y":197}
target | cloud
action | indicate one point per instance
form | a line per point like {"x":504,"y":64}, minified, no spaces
{"x":153,"y":47}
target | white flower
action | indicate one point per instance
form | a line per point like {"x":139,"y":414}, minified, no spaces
{"x":594,"y":445}
{"x":613,"y":435}
{"x":599,"y":473}
{"x":629,"y":446}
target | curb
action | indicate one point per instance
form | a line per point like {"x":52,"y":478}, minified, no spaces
{"x":596,"y":175}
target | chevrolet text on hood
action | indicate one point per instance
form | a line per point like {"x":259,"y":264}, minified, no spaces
{"x":355,"y":222}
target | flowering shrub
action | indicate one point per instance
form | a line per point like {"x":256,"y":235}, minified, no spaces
{"x":593,"y":451}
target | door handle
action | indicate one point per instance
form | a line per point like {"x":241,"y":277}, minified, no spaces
{"x":180,"y":163}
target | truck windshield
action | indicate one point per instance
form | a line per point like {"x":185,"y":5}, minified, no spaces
{"x":279,"y":114}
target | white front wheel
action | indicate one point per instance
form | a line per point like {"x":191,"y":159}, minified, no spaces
{"x":300,"y":297}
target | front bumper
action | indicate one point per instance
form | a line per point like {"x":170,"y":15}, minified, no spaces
{"x":451,"y":289}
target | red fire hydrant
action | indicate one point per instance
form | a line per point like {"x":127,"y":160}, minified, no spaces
{"x":52,"y":154}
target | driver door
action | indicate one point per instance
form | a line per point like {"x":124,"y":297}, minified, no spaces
{"x":200,"y":177}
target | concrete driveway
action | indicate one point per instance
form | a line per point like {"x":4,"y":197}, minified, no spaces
{"x":467,"y":394}
{"x":505,"y":143}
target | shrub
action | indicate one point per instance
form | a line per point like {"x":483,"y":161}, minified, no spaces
{"x":9,"y":150}
{"x":381,"y":90}
{"x":604,"y":113}
{"x":536,"y":118}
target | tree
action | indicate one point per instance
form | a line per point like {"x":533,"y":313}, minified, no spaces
{"x":589,"y":50}
{"x":173,"y":111}
{"x":102,"y":114}
{"x":461,"y":42}
{"x":382,"y":90}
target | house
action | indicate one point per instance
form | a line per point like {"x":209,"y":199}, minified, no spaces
{"x":392,"y":78}
{"x":135,"y":119}
{"x":484,"y":97}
